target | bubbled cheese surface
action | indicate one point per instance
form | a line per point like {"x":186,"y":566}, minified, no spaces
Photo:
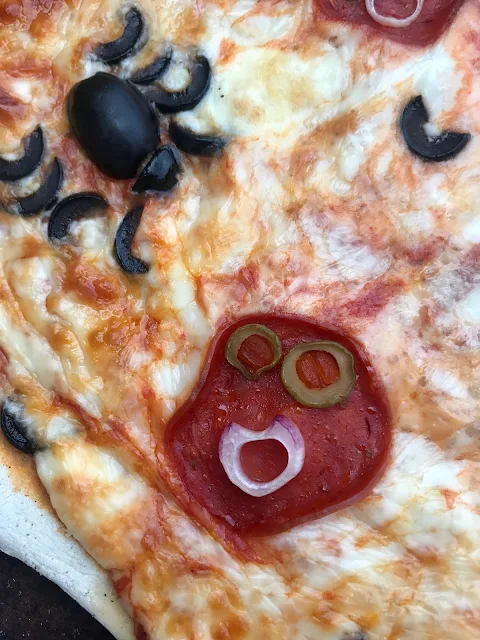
{"x":316,"y":208}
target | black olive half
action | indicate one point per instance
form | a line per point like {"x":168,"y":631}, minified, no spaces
{"x":127,"y":44}
{"x":123,"y":243}
{"x":188,"y":98}
{"x":194,"y":143}
{"x":113,"y":123}
{"x":16,"y":430}
{"x":355,"y":635}
{"x":154,"y":70}
{"x":46,"y":195}
{"x":160,"y":172}
{"x":13,"y":170}
{"x":70,"y":209}
{"x":431,"y":149}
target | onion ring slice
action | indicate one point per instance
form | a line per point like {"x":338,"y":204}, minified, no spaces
{"x":388,"y":21}
{"x":235,"y":436}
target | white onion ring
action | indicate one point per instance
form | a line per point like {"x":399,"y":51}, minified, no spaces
{"x":235,"y":436}
{"x":389,"y":21}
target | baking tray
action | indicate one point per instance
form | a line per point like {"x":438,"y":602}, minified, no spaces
{"x":33,"y":608}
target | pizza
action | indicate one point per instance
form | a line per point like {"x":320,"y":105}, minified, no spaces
{"x":240,"y":307}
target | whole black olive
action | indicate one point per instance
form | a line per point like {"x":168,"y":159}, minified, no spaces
{"x":113,"y":123}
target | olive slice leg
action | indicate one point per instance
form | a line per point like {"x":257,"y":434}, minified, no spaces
{"x":70,"y":209}
{"x":13,"y":170}
{"x":439,"y":148}
{"x":188,"y":98}
{"x":123,"y":243}
{"x":45,"y":196}
{"x":127,"y":44}
{"x":16,"y":430}
{"x":194,"y":143}
{"x":154,"y":70}
{"x":160,"y":172}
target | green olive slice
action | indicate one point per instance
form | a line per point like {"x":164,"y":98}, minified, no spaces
{"x":329,"y":395}
{"x":239,"y":336}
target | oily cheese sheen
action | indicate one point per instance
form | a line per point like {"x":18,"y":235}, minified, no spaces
{"x":317,"y":208}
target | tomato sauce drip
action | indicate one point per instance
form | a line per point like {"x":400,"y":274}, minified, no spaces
{"x":255,"y":352}
{"x":435,"y":18}
{"x":346,"y":446}
{"x":317,"y":369}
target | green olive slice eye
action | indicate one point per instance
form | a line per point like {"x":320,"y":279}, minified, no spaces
{"x":253,"y":349}
{"x":318,"y":374}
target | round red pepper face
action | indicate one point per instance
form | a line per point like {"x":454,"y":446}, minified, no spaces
{"x":346,"y":445}
{"x":434,"y":18}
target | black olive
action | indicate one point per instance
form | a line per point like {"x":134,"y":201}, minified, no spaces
{"x":123,"y":243}
{"x":431,"y":149}
{"x":154,"y":70}
{"x":46,"y":195}
{"x":160,"y":172}
{"x":13,"y":170}
{"x":113,"y":123}
{"x":355,"y":635}
{"x":16,"y":430}
{"x":194,"y":143}
{"x":127,"y":44}
{"x":70,"y":209}
{"x":188,"y":98}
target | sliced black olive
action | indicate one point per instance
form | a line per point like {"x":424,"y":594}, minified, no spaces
{"x":46,"y":195}
{"x":355,"y":635}
{"x":70,"y":209}
{"x":113,"y":123}
{"x":188,"y":98}
{"x":127,"y":44}
{"x":194,"y":143}
{"x":13,"y":170}
{"x":154,"y":70}
{"x":16,"y":429}
{"x":430,"y":148}
{"x":123,"y":243}
{"x":160,"y":172}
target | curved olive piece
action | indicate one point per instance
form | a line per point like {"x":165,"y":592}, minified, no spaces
{"x":431,"y":149}
{"x":16,"y":430}
{"x":127,"y":44}
{"x":123,"y":243}
{"x":70,"y":209}
{"x":46,"y":195}
{"x":355,"y":635}
{"x":113,"y":123}
{"x":13,"y":170}
{"x":333,"y":393}
{"x":239,"y":336}
{"x":160,"y":172}
{"x":194,"y":143}
{"x":188,"y":98}
{"x":154,"y":70}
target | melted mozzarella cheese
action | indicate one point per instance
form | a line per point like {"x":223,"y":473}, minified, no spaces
{"x":315,"y":204}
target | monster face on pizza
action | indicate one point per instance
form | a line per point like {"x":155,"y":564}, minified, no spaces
{"x":239,"y":319}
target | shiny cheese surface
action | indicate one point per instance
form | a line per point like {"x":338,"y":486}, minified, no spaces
{"x":315,"y":208}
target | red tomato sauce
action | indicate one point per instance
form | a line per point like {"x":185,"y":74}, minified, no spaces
{"x":434,"y":19}
{"x":346,"y":446}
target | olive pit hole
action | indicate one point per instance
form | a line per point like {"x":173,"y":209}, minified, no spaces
{"x":317,"y":369}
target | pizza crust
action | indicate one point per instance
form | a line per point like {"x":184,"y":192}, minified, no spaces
{"x":30,"y":532}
